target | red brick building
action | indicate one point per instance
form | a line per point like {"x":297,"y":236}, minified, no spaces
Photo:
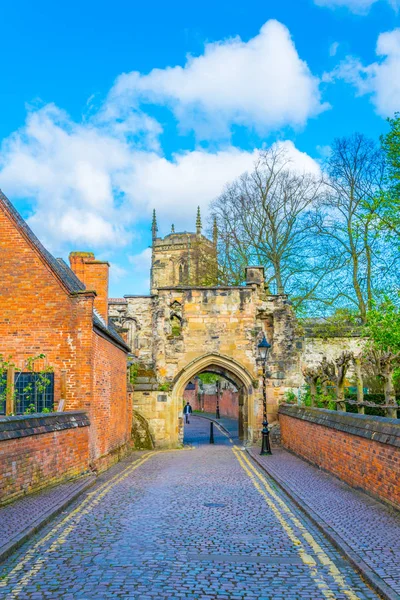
{"x":47,"y":307}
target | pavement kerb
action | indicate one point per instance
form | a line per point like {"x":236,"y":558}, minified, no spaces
{"x":357,"y":562}
{"x":214,"y":420}
{"x":7,"y":549}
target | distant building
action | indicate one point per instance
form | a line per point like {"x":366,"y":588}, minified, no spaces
{"x":183,"y":258}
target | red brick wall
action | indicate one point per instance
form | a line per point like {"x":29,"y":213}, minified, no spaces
{"x":94,"y":274}
{"x":30,"y":463}
{"x":37,"y":315}
{"x":191,"y":396}
{"x":363,"y":463}
{"x":111,"y":413}
{"x":228,"y":404}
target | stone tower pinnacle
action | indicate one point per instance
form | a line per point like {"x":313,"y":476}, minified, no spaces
{"x":154,"y":227}
{"x":198,"y":222}
{"x":215,"y":232}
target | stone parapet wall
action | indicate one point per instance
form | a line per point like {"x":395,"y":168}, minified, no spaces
{"x":362,"y":450}
{"x":41,"y":449}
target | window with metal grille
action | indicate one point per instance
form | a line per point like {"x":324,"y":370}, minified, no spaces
{"x":32,"y":394}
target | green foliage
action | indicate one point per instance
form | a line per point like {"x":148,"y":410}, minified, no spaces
{"x":390,"y":143}
{"x":290,"y":397}
{"x":321,"y":401}
{"x":383,"y":326}
{"x":133,"y":373}
{"x":42,"y":381}
{"x":208,"y":377}
{"x":4,"y":365}
{"x":391,"y":147}
{"x":164,"y":387}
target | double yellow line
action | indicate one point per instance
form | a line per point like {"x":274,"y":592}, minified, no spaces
{"x":64,"y":528}
{"x":288,"y":521}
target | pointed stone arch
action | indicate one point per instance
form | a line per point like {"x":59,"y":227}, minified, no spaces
{"x":230,"y":369}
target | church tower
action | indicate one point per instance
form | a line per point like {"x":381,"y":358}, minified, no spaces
{"x":183,"y":259}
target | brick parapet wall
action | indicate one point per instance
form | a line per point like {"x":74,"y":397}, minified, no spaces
{"x":362,"y":450}
{"x":40,"y":450}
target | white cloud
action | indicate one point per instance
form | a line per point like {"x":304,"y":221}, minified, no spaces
{"x":68,"y":170}
{"x":380,"y":79}
{"x":87,"y":184}
{"x":141,"y":262}
{"x":261,"y":83}
{"x":360,"y":7}
{"x":333,"y":48}
{"x":176,"y":187}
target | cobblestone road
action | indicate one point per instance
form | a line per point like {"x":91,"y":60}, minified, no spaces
{"x":201,"y":524}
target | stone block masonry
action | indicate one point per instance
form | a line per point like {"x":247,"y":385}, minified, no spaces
{"x":361,"y":450}
{"x":40,"y":450}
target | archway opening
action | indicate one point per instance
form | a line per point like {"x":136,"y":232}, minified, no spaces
{"x":213,"y":377}
{"x":214,"y":394}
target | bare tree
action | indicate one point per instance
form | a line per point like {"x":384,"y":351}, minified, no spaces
{"x":263,"y":217}
{"x":384,"y":363}
{"x":335,"y":371}
{"x":358,"y":362}
{"x":312,"y":376}
{"x":348,"y":219}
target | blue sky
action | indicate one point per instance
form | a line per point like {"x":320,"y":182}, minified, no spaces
{"x":110,"y":109}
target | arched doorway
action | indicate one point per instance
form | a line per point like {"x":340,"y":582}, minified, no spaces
{"x":229,"y":369}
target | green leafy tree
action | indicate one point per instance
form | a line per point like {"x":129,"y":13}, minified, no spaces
{"x":383,"y":348}
{"x":391,"y":148}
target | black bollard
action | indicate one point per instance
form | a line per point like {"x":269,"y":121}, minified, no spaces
{"x":211,"y":432}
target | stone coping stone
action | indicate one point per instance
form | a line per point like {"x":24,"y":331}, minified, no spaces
{"x":37,"y":423}
{"x":377,"y":429}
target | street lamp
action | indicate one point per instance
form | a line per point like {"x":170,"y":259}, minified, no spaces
{"x":218,"y":385}
{"x":263,"y":351}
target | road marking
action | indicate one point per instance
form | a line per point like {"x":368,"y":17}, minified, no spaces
{"x":308,"y":560}
{"x":92,"y":499}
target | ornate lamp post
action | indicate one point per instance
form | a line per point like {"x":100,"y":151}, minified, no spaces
{"x":218,"y":386}
{"x":263,"y":351}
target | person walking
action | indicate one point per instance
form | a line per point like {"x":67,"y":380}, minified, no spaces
{"x":187,"y":411}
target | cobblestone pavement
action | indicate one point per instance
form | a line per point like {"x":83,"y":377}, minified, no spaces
{"x":231,"y":425}
{"x":366,"y":525}
{"x":27,"y":513}
{"x":200,"y":524}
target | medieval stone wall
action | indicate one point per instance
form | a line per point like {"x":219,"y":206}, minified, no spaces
{"x":133,"y":315}
{"x":183,"y":259}
{"x":213,"y":320}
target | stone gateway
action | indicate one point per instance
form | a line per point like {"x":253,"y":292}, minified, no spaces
{"x":189,"y":325}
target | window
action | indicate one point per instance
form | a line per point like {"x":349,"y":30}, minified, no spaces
{"x":32,"y":393}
